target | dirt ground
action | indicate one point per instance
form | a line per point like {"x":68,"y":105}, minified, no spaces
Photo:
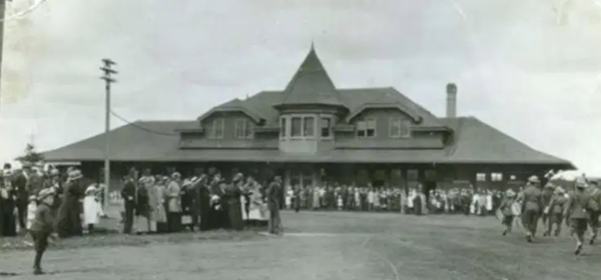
{"x":333,"y":245}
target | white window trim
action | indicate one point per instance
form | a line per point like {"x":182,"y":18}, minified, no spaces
{"x":366,"y":120}
{"x":245,"y":125}
{"x":286,"y":128}
{"x":288,"y":133}
{"x":213,"y":134}
{"x":394,"y":123}
{"x":331,"y":128}
{"x":399,"y":123}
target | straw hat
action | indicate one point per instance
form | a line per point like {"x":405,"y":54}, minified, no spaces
{"x":176,"y":175}
{"x":510,"y":193}
{"x":560,"y":190}
{"x":74,"y":175}
{"x":533,"y":179}
{"x":581,"y":184}
{"x":186,"y":182}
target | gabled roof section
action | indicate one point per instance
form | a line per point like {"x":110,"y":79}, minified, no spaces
{"x":234,"y":105}
{"x":360,"y":99}
{"x":477,"y":142}
{"x":311,"y":85}
{"x":414,"y":116}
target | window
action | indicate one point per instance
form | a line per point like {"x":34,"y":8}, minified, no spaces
{"x":481,"y":177}
{"x":496,"y":177}
{"x":308,"y":126}
{"x":399,"y":128}
{"x":218,"y":127}
{"x":283,"y":128}
{"x":296,"y":127}
{"x":244,"y":129}
{"x":405,"y":128}
{"x":394,"y":128}
{"x":326,"y":127}
{"x":214,"y":129}
{"x":366,"y":128}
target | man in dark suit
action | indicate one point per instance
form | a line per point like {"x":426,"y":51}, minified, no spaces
{"x":273,"y":202}
{"x":532,"y":205}
{"x":21,"y":185}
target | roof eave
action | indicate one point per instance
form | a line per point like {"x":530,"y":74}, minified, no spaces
{"x":415,"y":117}
{"x":253,"y":116}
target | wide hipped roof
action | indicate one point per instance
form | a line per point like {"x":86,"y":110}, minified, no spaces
{"x":473,"y":142}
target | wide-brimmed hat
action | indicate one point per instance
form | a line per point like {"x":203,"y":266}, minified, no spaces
{"x":239,"y":176}
{"x":46,"y":193}
{"x":581,"y":184}
{"x":90,"y":189}
{"x":560,"y":190}
{"x":176,"y":175}
{"x":186,"y":182}
{"x":53,"y":172}
{"x":533,"y":179}
{"x":510,"y":193}
{"x":74,"y":175}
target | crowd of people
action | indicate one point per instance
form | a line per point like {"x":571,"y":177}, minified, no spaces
{"x":414,"y":201}
{"x":47,"y":204}
{"x":44,"y":203}
{"x":203,"y":201}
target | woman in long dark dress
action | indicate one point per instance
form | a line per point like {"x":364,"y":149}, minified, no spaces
{"x":234,"y":209}
{"x":8,"y":219}
{"x":68,"y":221}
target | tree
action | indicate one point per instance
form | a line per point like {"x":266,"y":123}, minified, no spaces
{"x":31,"y":155}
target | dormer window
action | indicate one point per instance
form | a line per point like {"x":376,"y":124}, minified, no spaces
{"x":215,"y":129}
{"x":244,"y":129}
{"x":399,"y":128}
{"x":366,"y":128}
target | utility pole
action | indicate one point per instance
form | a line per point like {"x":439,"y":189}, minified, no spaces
{"x":108,"y":79}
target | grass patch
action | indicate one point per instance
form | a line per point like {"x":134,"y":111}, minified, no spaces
{"x":110,"y":239}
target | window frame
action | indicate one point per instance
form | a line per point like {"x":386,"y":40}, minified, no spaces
{"x":246,"y":128}
{"x":366,"y":121}
{"x":304,"y":130}
{"x":300,"y":127}
{"x":329,"y":129}
{"x":212,"y":128}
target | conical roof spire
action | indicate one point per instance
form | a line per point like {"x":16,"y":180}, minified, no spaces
{"x":311,"y":84}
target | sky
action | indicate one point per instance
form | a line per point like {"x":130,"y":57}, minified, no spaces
{"x":531,"y":68}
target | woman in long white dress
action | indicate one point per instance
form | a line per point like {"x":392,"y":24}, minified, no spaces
{"x":90,"y":208}
{"x":257,"y":214}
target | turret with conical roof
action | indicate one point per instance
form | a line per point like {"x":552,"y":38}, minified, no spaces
{"x":311,"y":85}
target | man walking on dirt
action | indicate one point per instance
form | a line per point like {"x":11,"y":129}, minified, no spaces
{"x":273,"y":203}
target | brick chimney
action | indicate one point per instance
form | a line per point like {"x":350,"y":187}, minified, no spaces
{"x":451,"y":100}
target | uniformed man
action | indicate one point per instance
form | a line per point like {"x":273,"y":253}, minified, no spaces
{"x":532,"y":206}
{"x":578,"y":212}
{"x":548,"y":192}
{"x":595,"y":192}
{"x":507,"y":212}
{"x":42,"y":227}
{"x":273,"y":203}
{"x":555,"y":211}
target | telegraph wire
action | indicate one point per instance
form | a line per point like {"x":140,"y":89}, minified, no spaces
{"x":134,"y":124}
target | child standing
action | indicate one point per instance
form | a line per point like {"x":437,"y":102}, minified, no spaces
{"x":42,"y":227}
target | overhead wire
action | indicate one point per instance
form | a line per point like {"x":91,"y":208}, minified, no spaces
{"x":136,"y":125}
